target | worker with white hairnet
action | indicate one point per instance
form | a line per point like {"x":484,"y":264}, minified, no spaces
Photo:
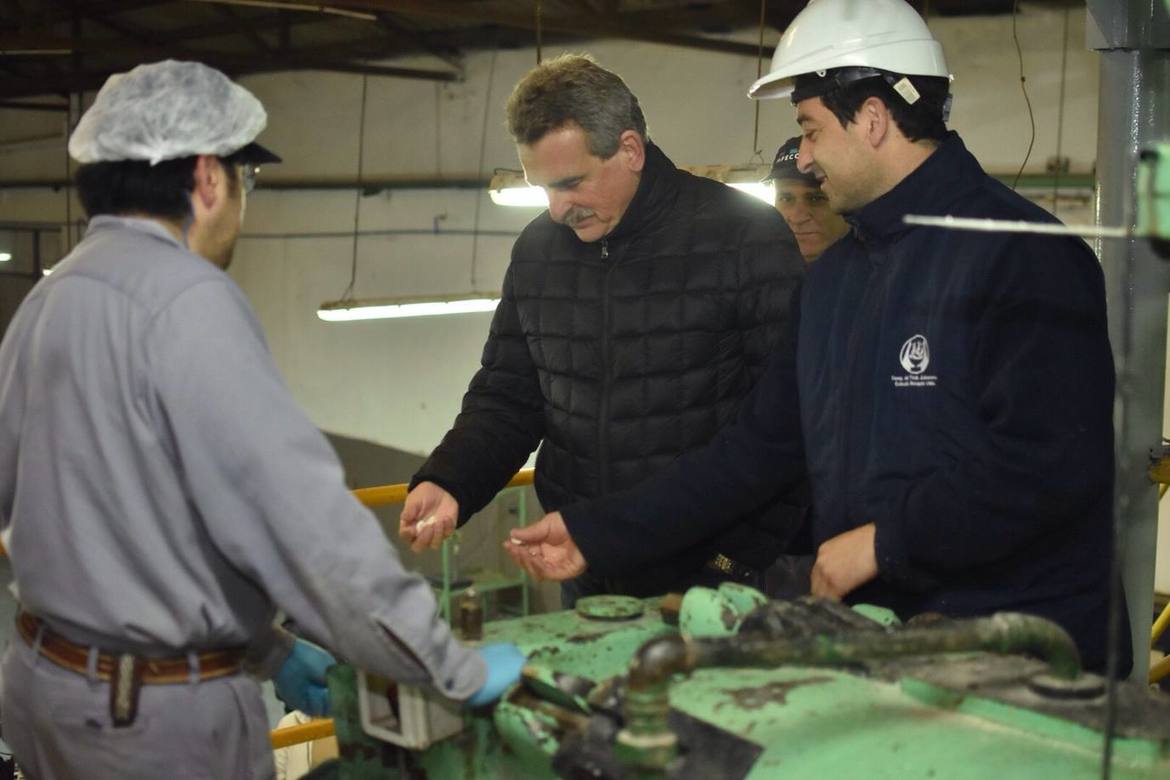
{"x":162,"y":495}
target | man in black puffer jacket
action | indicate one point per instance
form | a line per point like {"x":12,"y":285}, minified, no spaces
{"x":637,"y":313}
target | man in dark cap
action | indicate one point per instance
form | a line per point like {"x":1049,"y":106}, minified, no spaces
{"x":802,"y":204}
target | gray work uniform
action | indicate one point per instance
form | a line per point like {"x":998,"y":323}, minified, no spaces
{"x":161,"y":493}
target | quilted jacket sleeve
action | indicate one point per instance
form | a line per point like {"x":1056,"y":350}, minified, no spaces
{"x":501,"y":421}
{"x":770,"y":270}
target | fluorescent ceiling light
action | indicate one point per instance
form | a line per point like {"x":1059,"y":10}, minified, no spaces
{"x":5,"y":257}
{"x":508,"y":188}
{"x":392,"y":308}
{"x":759,"y":189}
{"x":747,"y":178}
{"x":526,"y":196}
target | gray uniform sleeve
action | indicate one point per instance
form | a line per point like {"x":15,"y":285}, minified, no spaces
{"x":11,"y":412}
{"x":271,"y":494}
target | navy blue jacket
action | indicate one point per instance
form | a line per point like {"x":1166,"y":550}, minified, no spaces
{"x":956,"y":390}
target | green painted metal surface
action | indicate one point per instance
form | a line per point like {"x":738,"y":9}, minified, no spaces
{"x":568,"y":642}
{"x":821,"y":723}
{"x":609,"y":607}
{"x":1153,"y":192}
{"x":952,"y":716}
{"x":879,"y":615}
{"x":717,"y":612}
{"x":360,"y":757}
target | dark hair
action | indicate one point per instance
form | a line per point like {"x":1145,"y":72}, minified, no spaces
{"x":573,"y":89}
{"x":136,"y":186}
{"x":922,"y":120}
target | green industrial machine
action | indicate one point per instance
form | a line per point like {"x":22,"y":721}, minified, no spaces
{"x":727,"y":684}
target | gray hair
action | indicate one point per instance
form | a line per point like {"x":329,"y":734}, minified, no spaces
{"x":573,"y":89}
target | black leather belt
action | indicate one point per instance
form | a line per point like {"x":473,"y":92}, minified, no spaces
{"x":733,"y":569}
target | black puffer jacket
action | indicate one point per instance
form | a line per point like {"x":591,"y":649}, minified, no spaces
{"x":623,"y":354}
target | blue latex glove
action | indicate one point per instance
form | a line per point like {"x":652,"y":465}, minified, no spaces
{"x":504,"y":662}
{"x":300,"y":682}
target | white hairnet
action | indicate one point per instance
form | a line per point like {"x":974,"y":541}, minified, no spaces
{"x":166,"y":110}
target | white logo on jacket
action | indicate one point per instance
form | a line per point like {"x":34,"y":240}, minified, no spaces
{"x":914,"y":357}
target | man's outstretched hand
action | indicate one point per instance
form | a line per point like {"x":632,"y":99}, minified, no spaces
{"x":545,"y":550}
{"x":428,"y":517}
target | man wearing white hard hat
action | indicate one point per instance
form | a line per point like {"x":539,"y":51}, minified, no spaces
{"x":955,"y":388}
{"x":162,"y":495}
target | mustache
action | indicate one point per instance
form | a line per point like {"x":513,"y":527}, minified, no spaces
{"x":575,"y":216}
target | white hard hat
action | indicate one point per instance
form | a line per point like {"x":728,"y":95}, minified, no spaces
{"x":166,"y":110}
{"x":886,"y":35}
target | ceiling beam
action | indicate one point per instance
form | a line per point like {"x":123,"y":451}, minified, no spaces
{"x":284,"y":30}
{"x":336,"y":57}
{"x":8,"y":66}
{"x":54,"y":13}
{"x":28,"y":105}
{"x":297,"y":62}
{"x":578,"y":25}
{"x":280,"y":20}
{"x":34,"y":42}
{"x":245,"y":26}
{"x":396,"y":30}
{"x":274,"y":19}
{"x":129,"y":31}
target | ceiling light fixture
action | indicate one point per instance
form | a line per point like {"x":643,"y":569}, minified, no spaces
{"x":746,"y":178}
{"x":393,"y":308}
{"x":508,"y":188}
{"x":5,"y":257}
{"x":757,"y":189}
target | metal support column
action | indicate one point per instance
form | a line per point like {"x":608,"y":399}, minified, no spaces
{"x":1133,"y":39}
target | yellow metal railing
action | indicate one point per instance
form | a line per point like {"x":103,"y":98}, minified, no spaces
{"x":1160,"y":474}
{"x":1161,"y":668}
{"x":302,"y":732}
{"x":393,"y":494}
{"x":383,"y":495}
